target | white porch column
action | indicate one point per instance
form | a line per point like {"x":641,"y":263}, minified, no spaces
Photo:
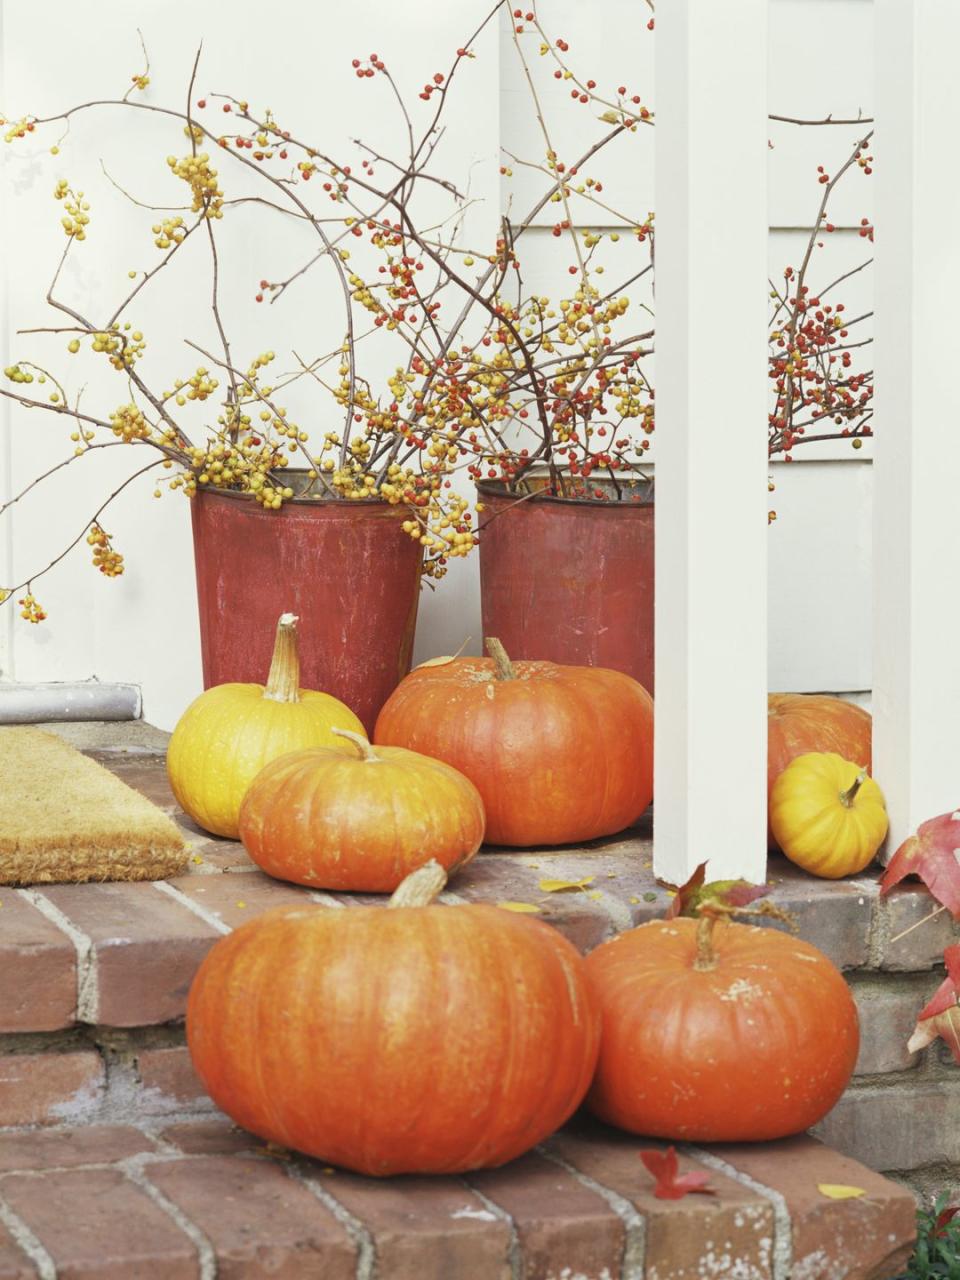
{"x":711,"y":461}
{"x":916,"y":547}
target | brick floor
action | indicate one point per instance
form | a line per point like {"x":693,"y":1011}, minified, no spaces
{"x":126,"y":1172}
{"x":46,"y":1088}
{"x":202,"y":1198}
{"x":39,"y":966}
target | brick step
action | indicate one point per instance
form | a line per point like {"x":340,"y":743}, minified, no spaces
{"x":97,"y":1076}
{"x":200,"y":1198}
{"x":95,"y":977}
{"x":123,"y":955}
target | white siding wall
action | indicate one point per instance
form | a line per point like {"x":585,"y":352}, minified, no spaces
{"x":143,"y":627}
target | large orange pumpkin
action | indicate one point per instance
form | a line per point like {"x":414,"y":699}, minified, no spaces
{"x":802,"y":722}
{"x":359,"y":823}
{"x":745,"y":1037}
{"x":559,"y":754}
{"x":418,"y":1039}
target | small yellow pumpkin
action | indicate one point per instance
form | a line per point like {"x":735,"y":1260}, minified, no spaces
{"x":227,"y":735}
{"x":827,"y":814}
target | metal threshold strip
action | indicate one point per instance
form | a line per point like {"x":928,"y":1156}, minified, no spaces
{"x":68,"y":700}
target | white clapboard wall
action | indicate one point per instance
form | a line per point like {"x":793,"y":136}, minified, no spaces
{"x":143,"y":627}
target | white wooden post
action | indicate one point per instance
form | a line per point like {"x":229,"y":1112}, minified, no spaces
{"x":916,"y":548}
{"x":711,"y":460}
{"x":9,"y":610}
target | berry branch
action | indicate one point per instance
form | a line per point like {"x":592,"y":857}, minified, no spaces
{"x":490,"y":380}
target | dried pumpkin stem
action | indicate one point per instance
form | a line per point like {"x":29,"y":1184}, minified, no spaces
{"x":706,"y":956}
{"x":283,"y":682}
{"x":505,"y":668}
{"x":421,"y":887}
{"x":847,"y":797}
{"x":361,"y":743}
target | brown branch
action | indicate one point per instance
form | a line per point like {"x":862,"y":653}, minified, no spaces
{"x":94,"y":519}
{"x":826,"y":120}
{"x":74,"y":457}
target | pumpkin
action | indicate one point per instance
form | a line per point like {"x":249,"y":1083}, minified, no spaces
{"x":227,"y":734}
{"x":408,"y":1039}
{"x":800,"y":722}
{"x":742,"y":1035}
{"x":558,"y":753}
{"x":360,"y":823}
{"x":828,"y":816}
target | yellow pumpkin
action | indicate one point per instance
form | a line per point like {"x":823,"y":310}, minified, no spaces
{"x":227,"y":735}
{"x":827,"y":814}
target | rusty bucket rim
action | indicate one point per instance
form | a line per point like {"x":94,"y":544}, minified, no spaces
{"x":497,"y":489}
{"x":244,"y":495}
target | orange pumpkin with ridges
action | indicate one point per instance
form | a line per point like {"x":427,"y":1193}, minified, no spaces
{"x":559,"y":754}
{"x":359,"y":824}
{"x":408,"y":1039}
{"x":745,"y":1036}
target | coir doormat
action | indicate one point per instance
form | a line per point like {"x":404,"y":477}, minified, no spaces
{"x":65,"y":818}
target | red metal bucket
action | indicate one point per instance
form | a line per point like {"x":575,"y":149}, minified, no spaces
{"x":569,"y":581}
{"x":345,"y":568}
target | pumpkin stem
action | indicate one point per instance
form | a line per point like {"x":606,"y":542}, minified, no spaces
{"x":505,"y":668}
{"x":359,"y":741}
{"x":420,"y":887}
{"x":283,"y":682}
{"x":847,"y":797}
{"x":706,"y":956}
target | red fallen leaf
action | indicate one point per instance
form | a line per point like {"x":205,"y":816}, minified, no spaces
{"x":944,"y":1218}
{"x":740,"y":893}
{"x":664,"y":1166}
{"x":941,"y":1017}
{"x":932,"y":854}
{"x":719,"y":897}
{"x":687,"y":893}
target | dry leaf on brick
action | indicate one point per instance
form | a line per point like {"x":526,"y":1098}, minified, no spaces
{"x":719,"y":897}
{"x":559,"y":886}
{"x":932,"y":854}
{"x":670,"y":1183}
{"x":941,"y":1017}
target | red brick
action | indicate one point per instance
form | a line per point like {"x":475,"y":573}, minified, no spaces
{"x":224,"y":855}
{"x":47,"y":1088}
{"x":858,"y":1239}
{"x":146,"y":774}
{"x":38,"y":962}
{"x":562,"y":1227}
{"x":98,"y":1226}
{"x":695,"y":1236}
{"x":65,"y":1148}
{"x":215,"y":851}
{"x":260,"y":1222}
{"x":888,"y":1008}
{"x":147,"y":948}
{"x":900,"y":1127}
{"x":622,"y":872}
{"x":14,"y":1264}
{"x":210,"y":1138}
{"x":170,"y":1070}
{"x":921,"y":948}
{"x":425,"y":1228}
{"x":499,"y":877}
{"x":833,"y":915}
{"x":235,"y":899}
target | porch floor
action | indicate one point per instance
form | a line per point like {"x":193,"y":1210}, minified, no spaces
{"x":113,"y":1163}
